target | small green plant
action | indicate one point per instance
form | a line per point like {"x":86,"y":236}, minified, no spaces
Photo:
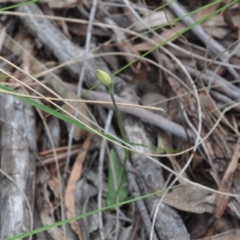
{"x":106,"y":80}
{"x":114,"y":178}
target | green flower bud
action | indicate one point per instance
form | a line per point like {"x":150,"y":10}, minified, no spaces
{"x":104,"y":77}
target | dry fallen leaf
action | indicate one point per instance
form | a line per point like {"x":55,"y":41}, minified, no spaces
{"x":47,"y":218}
{"x":192,"y":199}
{"x":53,"y":184}
{"x":71,"y":186}
{"x":226,"y":184}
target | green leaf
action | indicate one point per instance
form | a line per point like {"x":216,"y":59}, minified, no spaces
{"x":115,"y":171}
{"x":84,"y":215}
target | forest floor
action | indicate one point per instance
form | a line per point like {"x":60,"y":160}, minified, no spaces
{"x":162,"y":163}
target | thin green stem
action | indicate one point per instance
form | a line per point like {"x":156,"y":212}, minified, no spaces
{"x":124,"y":138}
{"x":89,"y":90}
{"x":18,"y":5}
{"x":119,"y":119}
{"x":84,"y":215}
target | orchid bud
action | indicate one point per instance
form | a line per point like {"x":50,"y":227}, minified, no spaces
{"x":104,"y":77}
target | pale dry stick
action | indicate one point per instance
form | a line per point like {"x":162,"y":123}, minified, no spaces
{"x":206,"y":52}
{"x":2,"y":36}
{"x":226,"y":59}
{"x":236,"y":49}
{"x":124,"y":217}
{"x":15,"y":85}
{"x":58,"y":169}
{"x":24,"y":196}
{"x":82,"y":73}
{"x":30,"y":146}
{"x":57,"y":166}
{"x":121,"y":5}
{"x":17,"y":167}
{"x":146,"y":116}
{"x":225,"y":101}
{"x":100,"y":172}
{"x":224,"y":86}
{"x":14,"y":183}
{"x":214,"y":46}
{"x":17,"y":161}
{"x":120,"y":29}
